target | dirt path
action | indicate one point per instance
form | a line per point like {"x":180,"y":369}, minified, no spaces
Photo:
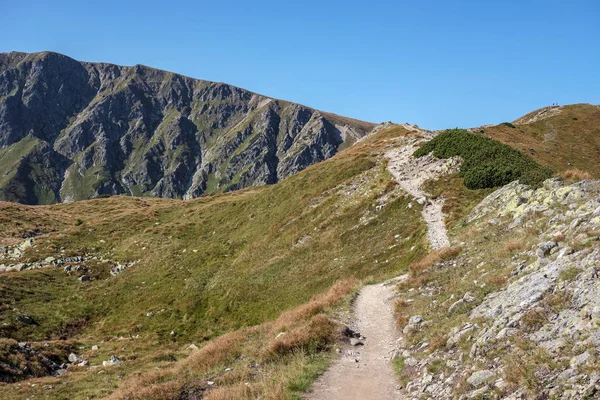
{"x":411,"y":173}
{"x":365,"y":372}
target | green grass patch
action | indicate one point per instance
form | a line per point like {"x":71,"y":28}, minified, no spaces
{"x":315,"y":366}
{"x":569,"y":274}
{"x":458,"y":199}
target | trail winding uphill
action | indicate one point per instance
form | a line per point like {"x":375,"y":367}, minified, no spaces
{"x":365,"y":372}
{"x":411,"y":173}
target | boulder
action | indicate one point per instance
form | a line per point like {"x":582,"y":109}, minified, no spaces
{"x":414,"y":324}
{"x":545,"y":248}
{"x":26,"y":319}
{"x":114,"y":360}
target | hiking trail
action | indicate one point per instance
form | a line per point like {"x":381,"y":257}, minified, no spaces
{"x":365,"y":372}
{"x":411,"y":173}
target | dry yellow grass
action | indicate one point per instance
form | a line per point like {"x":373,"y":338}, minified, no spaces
{"x":557,"y":141}
{"x":317,"y":304}
{"x":150,"y":384}
{"x":401,"y":320}
{"x":313,"y":335}
{"x":307,"y":329}
{"x":575,"y":175}
{"x":157,"y":391}
{"x":512,"y":246}
{"x":559,"y":237}
{"x":238,"y":391}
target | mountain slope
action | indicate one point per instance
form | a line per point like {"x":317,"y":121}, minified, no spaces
{"x":203,"y":268}
{"x":127,"y":284}
{"x":74,"y":130}
{"x":562,"y":138}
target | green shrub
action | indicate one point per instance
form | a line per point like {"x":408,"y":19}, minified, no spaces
{"x":486,"y":162}
{"x":508,"y":124}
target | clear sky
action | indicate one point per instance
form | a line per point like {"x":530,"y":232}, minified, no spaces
{"x":437,"y":63}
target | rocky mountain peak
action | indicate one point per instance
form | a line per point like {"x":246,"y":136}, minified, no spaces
{"x":73,"y":130}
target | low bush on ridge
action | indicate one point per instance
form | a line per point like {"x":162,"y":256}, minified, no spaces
{"x":486,"y":162}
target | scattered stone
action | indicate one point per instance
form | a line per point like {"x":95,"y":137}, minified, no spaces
{"x":26,"y":319}
{"x":414,"y":324}
{"x":427,"y":379}
{"x":566,"y":374}
{"x":582,"y":359}
{"x":455,"y":305}
{"x":479,"y":378}
{"x":545,"y":248}
{"x":469,"y":298}
{"x":114,"y":360}
{"x":411,"y":361}
{"x":457,"y":334}
{"x":478,"y":393}
{"x":347,"y":332}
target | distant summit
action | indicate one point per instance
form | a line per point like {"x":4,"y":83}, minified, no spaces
{"x":73,"y":130}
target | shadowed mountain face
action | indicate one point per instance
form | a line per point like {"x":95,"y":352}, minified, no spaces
{"x":74,"y":130}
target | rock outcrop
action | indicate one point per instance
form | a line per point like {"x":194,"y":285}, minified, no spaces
{"x":73,"y":130}
{"x":536,"y":337}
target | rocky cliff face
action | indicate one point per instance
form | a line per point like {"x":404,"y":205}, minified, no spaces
{"x":73,"y":130}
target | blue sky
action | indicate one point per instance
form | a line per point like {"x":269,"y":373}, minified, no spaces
{"x":436,"y":63}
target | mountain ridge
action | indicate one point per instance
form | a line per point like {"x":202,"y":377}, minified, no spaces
{"x":73,"y":130}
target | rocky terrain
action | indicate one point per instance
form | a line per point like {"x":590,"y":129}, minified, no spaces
{"x":537,"y":334}
{"x":73,"y":130}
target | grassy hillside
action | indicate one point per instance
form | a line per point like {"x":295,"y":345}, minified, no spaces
{"x":564,"y":139}
{"x":230,"y":273}
{"x":206,"y":267}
